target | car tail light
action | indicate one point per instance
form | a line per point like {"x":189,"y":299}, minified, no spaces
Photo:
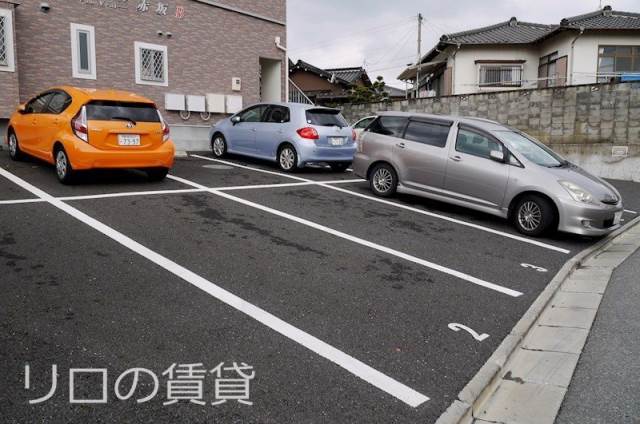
{"x":308,"y":133}
{"x":360,"y":144}
{"x":354,"y":136}
{"x":165,"y":128}
{"x":80,"y":126}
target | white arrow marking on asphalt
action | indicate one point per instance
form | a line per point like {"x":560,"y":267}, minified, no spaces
{"x":537,"y":268}
{"x":457,"y":327}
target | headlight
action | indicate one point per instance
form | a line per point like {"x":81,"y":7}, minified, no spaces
{"x":577,"y":193}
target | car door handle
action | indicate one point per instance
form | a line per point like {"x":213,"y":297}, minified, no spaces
{"x":456,"y":158}
{"x":253,"y":129}
{"x":401,"y":145}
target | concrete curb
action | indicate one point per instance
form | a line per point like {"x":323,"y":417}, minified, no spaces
{"x":483,"y":384}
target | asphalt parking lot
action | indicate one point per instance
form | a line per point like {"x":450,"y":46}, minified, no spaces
{"x":341,"y":302}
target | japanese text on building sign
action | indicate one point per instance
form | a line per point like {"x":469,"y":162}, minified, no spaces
{"x":159,"y":8}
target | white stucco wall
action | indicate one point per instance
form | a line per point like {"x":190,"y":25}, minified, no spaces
{"x":586,"y":53}
{"x":466,"y":71}
{"x":585,"y":58}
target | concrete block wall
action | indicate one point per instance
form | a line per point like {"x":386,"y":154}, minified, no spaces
{"x":583,"y":123}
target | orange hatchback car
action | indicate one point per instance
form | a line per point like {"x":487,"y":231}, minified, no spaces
{"x":78,"y":129}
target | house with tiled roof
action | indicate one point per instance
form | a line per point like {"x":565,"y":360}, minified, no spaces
{"x":595,"y":47}
{"x":332,"y":86}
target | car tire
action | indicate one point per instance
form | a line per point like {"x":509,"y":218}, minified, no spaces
{"x":219,"y":146}
{"x":64,"y":170}
{"x":14,"y":147}
{"x":288,"y":158}
{"x":534,"y":215}
{"x":339,"y":166}
{"x":383,"y":180}
{"x":157,"y":174}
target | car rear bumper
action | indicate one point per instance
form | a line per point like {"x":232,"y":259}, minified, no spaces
{"x":313,"y":153}
{"x":361,"y":164}
{"x":85,"y":156}
{"x":588,"y":220}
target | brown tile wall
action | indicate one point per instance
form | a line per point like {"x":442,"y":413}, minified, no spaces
{"x":209,"y":46}
{"x":9,"y":87}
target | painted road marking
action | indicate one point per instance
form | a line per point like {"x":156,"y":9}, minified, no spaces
{"x":175,"y":191}
{"x":632,"y":212}
{"x":537,"y":268}
{"x":357,"y":240}
{"x":401,"y":206}
{"x":20,"y":201}
{"x":349,"y":363}
{"x":457,"y":327}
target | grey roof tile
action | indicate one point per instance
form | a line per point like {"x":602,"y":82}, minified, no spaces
{"x":604,"y":19}
{"x":509,"y":32}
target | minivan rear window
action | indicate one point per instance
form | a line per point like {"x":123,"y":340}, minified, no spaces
{"x":326,"y":118}
{"x":102,"y":110}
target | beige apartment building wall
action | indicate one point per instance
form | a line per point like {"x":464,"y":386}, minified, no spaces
{"x":208,"y":46}
{"x":9,"y":92}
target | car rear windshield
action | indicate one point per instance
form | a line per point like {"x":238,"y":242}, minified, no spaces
{"x":326,"y":118}
{"x":108,"y":111}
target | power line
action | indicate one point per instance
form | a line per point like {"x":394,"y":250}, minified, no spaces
{"x":397,"y":48}
{"x":357,"y":34}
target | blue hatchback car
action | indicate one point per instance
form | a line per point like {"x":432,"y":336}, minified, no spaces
{"x":291,"y":134}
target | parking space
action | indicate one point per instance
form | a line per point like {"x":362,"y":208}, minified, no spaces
{"x":342,"y":303}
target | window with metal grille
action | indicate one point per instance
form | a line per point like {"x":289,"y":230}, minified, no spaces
{"x":500,"y":76}
{"x":152,"y":65}
{"x":4,"y":43}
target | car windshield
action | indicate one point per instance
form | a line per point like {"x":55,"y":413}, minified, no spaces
{"x":531,"y":149}
{"x":326,"y":118}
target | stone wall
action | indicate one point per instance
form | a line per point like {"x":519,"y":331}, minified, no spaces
{"x":596,"y":126}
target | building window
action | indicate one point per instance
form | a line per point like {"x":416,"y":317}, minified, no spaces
{"x":500,"y":75}
{"x":152,"y":64}
{"x":547,"y":71}
{"x":615,"y":61}
{"x":83,"y":51}
{"x":6,"y":41}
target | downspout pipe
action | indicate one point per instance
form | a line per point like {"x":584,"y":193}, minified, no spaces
{"x":286,"y":68}
{"x":573,"y":44}
{"x":453,"y":70}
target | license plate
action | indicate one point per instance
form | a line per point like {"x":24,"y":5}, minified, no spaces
{"x":617,"y":218}
{"x":128,"y":139}
{"x":336,"y":141}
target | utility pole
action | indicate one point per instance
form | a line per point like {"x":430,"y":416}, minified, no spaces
{"x":419,"y":54}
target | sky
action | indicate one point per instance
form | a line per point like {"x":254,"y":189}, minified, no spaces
{"x":382,"y":34}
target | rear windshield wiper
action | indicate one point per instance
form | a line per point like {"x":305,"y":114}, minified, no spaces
{"x":123,"y":118}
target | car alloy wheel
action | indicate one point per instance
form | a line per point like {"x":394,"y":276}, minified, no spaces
{"x":287,"y":158}
{"x":219,"y":146}
{"x":13,"y":145}
{"x":382,"y":180}
{"x":530,"y":216}
{"x":62,"y":165}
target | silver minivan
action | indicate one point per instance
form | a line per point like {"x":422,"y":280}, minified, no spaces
{"x":486,"y":166}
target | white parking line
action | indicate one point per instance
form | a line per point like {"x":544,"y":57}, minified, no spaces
{"x":175,"y":191}
{"x":632,"y":212}
{"x":20,"y":201}
{"x":349,"y":363}
{"x":357,"y":240}
{"x":401,"y":206}
{"x":128,"y":194}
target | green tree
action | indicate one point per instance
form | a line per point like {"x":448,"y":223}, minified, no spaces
{"x":375,"y":93}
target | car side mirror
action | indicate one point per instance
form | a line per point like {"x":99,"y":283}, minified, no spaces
{"x":497,"y":155}
{"x":22,"y":109}
{"x":235,"y":120}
